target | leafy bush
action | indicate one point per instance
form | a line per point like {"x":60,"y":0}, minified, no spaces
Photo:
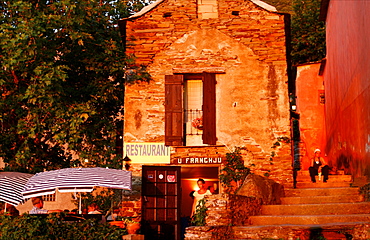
{"x":53,"y":227}
{"x":199,"y":218}
{"x":234,"y":171}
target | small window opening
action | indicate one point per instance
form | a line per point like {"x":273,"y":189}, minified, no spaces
{"x":322,"y":97}
{"x":235,"y":13}
{"x":49,"y":198}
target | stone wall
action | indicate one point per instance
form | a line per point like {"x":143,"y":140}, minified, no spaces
{"x":156,"y":30}
{"x":131,"y":208}
{"x":131,"y":200}
{"x":274,"y":162}
{"x":225,"y":209}
{"x":206,"y":232}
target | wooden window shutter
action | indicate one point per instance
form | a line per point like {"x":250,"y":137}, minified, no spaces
{"x":209,"y":108}
{"x":174,"y":110}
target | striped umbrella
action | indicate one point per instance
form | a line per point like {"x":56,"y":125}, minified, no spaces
{"x":11,"y":186}
{"x":76,"y":180}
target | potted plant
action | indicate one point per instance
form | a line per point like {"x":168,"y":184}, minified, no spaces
{"x":119,"y":222}
{"x":132,"y":226}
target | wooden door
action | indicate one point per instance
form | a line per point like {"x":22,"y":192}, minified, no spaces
{"x":161,"y":196}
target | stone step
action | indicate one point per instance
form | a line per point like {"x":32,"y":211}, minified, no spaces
{"x":315,"y":204}
{"x":317,"y":209}
{"x":323,"y":199}
{"x":305,"y":192}
{"x":303,"y":232}
{"x":307,"y":173}
{"x":308,"y":219}
{"x":328,"y":184}
{"x":332,"y":178}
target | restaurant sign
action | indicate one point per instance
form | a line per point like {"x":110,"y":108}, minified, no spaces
{"x":197,"y":160}
{"x":147,"y":152}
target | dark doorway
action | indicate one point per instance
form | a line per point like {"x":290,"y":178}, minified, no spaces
{"x":161,"y":195}
{"x":189,"y":177}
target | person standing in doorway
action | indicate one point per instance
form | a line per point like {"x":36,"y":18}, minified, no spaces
{"x":318,"y":167}
{"x":199,"y":195}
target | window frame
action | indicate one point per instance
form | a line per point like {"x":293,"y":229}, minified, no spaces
{"x":174,"y":108}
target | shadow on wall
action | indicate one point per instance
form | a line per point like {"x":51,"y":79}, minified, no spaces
{"x":343,"y":163}
{"x":319,"y":234}
{"x":316,"y":233}
{"x":353,"y":166}
{"x":367,"y":171}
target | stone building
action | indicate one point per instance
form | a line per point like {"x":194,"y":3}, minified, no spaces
{"x":220,"y":80}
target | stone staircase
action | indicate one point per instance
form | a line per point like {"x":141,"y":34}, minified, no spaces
{"x":313,"y":211}
{"x":319,"y":210}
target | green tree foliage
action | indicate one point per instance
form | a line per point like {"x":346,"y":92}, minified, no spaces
{"x":308,"y":33}
{"x":62,"y":67}
{"x":105,"y":199}
{"x":284,"y":6}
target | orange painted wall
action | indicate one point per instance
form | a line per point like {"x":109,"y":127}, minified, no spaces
{"x":347,"y":85}
{"x":312,"y":113}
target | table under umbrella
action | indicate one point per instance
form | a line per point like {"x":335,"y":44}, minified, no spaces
{"x":76,"y":180}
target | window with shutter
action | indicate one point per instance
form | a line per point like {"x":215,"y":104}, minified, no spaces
{"x":190,"y":117}
{"x":209,"y":108}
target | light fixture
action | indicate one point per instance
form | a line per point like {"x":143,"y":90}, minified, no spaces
{"x":127,"y":161}
{"x":292,"y":100}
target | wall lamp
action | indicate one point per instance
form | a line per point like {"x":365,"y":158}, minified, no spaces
{"x":127,"y":161}
{"x":292,"y":100}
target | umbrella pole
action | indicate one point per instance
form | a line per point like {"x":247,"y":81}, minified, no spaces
{"x":79,"y":207}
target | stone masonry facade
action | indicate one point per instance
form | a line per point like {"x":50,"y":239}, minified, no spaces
{"x":244,"y":45}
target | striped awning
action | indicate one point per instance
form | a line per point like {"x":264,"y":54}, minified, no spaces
{"x":11,"y":186}
{"x":76,"y":180}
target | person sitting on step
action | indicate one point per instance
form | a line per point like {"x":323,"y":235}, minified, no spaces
{"x":318,"y":167}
